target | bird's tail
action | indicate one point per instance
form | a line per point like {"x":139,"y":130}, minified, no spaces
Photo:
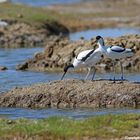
{"x":129,"y":52}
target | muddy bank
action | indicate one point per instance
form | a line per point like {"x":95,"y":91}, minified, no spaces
{"x":20,"y":34}
{"x":74,"y":93}
{"x":60,"y":53}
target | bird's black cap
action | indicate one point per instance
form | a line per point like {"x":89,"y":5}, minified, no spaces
{"x":98,"y":37}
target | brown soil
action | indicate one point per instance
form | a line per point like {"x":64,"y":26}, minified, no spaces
{"x":74,"y":93}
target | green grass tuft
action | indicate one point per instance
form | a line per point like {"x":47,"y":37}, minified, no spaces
{"x":104,"y":127}
{"x":31,"y":15}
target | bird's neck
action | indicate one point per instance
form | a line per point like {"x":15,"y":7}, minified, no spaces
{"x":102,"y":47}
{"x":67,"y":67}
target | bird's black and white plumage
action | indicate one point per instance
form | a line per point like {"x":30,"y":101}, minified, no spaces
{"x":87,"y":58}
{"x":114,"y":52}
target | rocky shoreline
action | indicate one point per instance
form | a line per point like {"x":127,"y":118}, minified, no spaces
{"x":21,"y":29}
{"x":20,"y":34}
{"x":60,"y":53}
{"x":73,"y":94}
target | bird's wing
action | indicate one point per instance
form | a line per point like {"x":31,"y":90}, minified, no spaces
{"x":117,"y":49}
{"x":87,"y":56}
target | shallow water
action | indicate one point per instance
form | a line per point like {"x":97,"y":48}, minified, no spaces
{"x":12,"y":78}
{"x":105,"y":32}
{"x":11,"y":57}
{"x":16,"y":113}
{"x":45,"y":2}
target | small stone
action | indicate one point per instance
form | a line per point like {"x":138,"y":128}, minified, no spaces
{"x":20,"y":16}
{"x":2,"y":68}
{"x":3,"y":24}
{"x":82,"y":38}
{"x":23,"y":66}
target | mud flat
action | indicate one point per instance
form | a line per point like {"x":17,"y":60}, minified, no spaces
{"x":73,"y":94}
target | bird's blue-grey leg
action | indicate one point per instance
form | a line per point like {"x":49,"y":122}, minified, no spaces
{"x":89,"y":70}
{"x":114,"y":71}
{"x":121,"y":71}
{"x":94,"y":71}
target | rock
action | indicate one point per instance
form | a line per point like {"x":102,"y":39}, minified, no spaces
{"x":20,"y":16}
{"x":55,"y":28}
{"x":104,"y":66}
{"x":1,"y":1}
{"x":74,"y":94}
{"x":23,"y":66}
{"x":2,"y":68}
{"x":3,"y":24}
{"x":127,"y":64}
{"x":1,"y":34}
{"x":18,"y":34}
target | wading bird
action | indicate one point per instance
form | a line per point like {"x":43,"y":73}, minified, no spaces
{"x":87,"y":58}
{"x":114,"y":52}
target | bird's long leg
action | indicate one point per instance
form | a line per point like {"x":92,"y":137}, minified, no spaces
{"x":89,"y":70}
{"x":114,"y":70}
{"x":93,"y":73}
{"x":121,"y":71}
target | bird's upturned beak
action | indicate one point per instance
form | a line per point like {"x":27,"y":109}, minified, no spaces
{"x":63,"y":75}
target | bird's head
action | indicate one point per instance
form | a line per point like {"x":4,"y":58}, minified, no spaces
{"x":100,"y":40}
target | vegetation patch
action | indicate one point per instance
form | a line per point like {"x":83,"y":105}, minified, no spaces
{"x":28,"y":26}
{"x":101,"y":127}
{"x":78,"y":16}
{"x":35,"y":16}
{"x":31,"y":15}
